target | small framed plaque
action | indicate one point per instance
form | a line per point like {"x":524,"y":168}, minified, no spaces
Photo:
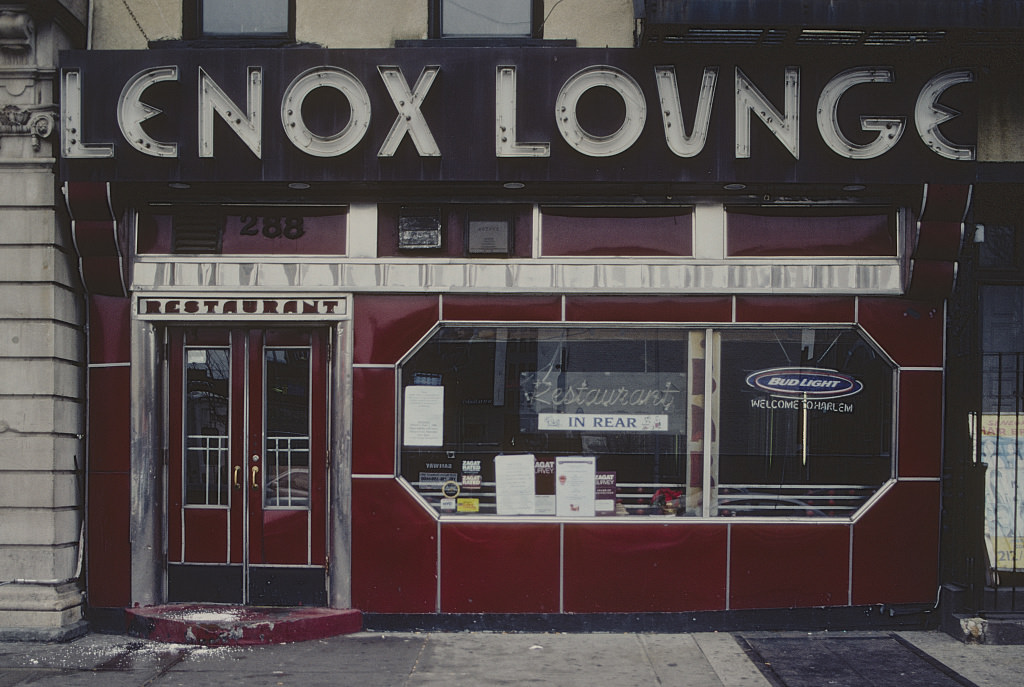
{"x":419,"y":228}
{"x":489,"y":233}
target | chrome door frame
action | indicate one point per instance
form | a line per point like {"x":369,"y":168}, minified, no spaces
{"x":149,"y":444}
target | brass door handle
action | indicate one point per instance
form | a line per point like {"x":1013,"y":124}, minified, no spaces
{"x":237,"y":474}
{"x":255,"y":471}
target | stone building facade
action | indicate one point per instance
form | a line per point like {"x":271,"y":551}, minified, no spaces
{"x":766,"y":229}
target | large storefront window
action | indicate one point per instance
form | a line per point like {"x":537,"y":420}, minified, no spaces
{"x":806,"y":422}
{"x":595,"y":421}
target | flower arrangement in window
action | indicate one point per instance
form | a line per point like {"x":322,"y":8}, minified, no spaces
{"x":667,"y":500}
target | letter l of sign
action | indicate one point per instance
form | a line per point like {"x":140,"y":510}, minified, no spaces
{"x":409,"y":120}
{"x":505,"y":144}
{"x":71,"y":120}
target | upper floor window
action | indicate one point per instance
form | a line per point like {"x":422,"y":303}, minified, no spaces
{"x":488,"y":18}
{"x":239,"y":18}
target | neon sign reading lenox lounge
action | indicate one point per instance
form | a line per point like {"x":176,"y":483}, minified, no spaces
{"x":249,"y":121}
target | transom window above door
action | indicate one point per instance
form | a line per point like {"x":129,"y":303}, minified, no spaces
{"x":239,"y":19}
{"x":488,"y":18}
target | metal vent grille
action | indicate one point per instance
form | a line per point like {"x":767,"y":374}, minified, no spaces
{"x":198,"y":234}
{"x":675,"y":34}
{"x":904,"y":37}
{"x":829,"y":37}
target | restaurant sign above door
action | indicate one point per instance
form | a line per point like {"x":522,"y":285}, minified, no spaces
{"x":250,"y":308}
{"x":494,"y":114}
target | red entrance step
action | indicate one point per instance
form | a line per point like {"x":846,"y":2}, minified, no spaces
{"x":219,"y":625}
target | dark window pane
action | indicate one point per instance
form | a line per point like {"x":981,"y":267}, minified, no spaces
{"x":486,"y":18}
{"x":287,"y":427}
{"x":618,"y":396}
{"x":206,"y":426}
{"x":999,"y":249}
{"x":789,"y":449}
{"x":617,"y":232}
{"x":244,"y":17}
{"x":762,"y":232}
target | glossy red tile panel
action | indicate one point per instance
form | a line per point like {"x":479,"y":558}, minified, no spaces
{"x":109,"y":433}
{"x":644,"y":309}
{"x":667,"y":567}
{"x":920,"y":423}
{"x":394,"y":550}
{"x":280,"y":543}
{"x":386,"y":327}
{"x":780,"y":231}
{"x":776,"y":565}
{"x":499,"y":568}
{"x":108,"y":551}
{"x":608,"y":231}
{"x":946,"y":202}
{"x":939,"y":240}
{"x":795,"y":309}
{"x":89,"y":200}
{"x":109,"y":329}
{"x":103,"y":275}
{"x":373,"y":421}
{"x":96,"y":238}
{"x":931,"y":280}
{"x":502,"y":308}
{"x":911,"y":332}
{"x":206,"y":535}
{"x":896,"y":547}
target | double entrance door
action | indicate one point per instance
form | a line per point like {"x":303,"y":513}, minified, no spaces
{"x":247,"y":466}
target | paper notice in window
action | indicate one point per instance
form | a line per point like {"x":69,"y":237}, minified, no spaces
{"x":423,"y":416}
{"x":575,"y":478}
{"x":514,"y":484}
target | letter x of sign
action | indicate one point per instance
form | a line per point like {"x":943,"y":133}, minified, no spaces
{"x":409,"y":120}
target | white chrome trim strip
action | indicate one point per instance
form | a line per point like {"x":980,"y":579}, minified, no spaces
{"x":325,"y":277}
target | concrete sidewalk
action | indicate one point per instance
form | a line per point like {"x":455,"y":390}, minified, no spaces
{"x":480,"y":658}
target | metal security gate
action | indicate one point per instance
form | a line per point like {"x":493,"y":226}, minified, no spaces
{"x":999,"y":445}
{"x":983,"y":493}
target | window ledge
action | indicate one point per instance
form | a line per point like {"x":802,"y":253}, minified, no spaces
{"x":483,"y":42}
{"x":231,"y":42}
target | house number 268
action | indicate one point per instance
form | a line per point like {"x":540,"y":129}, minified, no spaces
{"x":272,"y":227}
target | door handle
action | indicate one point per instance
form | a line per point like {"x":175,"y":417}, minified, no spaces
{"x":255,"y":471}
{"x":237,"y":474}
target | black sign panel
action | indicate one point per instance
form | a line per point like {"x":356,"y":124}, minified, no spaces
{"x":500,"y":114}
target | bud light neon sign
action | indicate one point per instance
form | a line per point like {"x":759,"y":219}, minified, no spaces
{"x":809,"y":382}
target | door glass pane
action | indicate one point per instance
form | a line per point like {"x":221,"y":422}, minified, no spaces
{"x":286,"y":454}
{"x":207,"y":379}
{"x":232,"y":17}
